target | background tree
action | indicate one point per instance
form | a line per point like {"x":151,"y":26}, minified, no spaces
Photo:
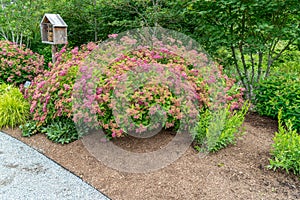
{"x":249,"y":35}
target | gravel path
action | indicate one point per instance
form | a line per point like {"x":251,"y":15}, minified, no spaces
{"x":27,"y":174}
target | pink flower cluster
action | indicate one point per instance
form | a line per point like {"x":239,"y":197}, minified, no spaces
{"x":18,"y":64}
{"x":50,"y":93}
{"x":134,"y":96}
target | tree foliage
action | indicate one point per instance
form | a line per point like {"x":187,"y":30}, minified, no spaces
{"x":249,"y":35}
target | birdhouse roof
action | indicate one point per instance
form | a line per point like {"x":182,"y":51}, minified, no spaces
{"x":55,"y":20}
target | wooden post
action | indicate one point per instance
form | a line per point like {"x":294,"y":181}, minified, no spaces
{"x":54,"y":50}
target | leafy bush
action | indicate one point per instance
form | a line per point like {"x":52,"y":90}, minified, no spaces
{"x":276,"y":92}
{"x":286,"y":148}
{"x":18,"y":64}
{"x":138,"y":99}
{"x":147,"y":93}
{"x":216,"y":130}
{"x":14,"y":110}
{"x":289,"y":62}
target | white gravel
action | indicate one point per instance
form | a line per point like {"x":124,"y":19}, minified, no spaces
{"x":27,"y":174}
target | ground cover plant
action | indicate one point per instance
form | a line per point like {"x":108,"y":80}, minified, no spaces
{"x":18,"y":64}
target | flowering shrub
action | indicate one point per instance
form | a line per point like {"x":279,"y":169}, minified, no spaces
{"x":50,"y":94}
{"x":140,"y":88}
{"x":18,"y":64}
{"x":138,"y":91}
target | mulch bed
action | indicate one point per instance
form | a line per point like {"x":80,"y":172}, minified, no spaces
{"x":237,"y":172}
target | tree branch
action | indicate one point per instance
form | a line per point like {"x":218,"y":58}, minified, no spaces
{"x":237,"y":66}
{"x":271,"y":61}
{"x":253,"y":68}
{"x":259,"y":69}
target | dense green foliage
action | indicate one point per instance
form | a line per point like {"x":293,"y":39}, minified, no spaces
{"x":281,"y":91}
{"x":14,"y":109}
{"x":248,"y":36}
{"x":252,"y":39}
{"x":286,"y":148}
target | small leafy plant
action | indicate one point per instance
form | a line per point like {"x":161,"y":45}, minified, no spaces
{"x":61,"y":131}
{"x":218,"y":129}
{"x":286,"y":148}
{"x":14,"y":109}
{"x":30,"y":128}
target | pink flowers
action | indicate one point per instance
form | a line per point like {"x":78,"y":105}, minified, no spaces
{"x":229,"y":98}
{"x":66,"y":87}
{"x":55,"y":87}
{"x":18,"y":64}
{"x":157,"y":56}
{"x":143,"y":86}
{"x":113,"y":36}
{"x":74,"y":51}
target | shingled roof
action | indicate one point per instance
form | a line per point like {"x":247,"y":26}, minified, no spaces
{"x":55,"y":20}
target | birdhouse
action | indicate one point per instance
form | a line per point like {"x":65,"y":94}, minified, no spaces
{"x":53,"y":29}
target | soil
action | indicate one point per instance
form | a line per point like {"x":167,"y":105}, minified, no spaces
{"x":236,"y":172}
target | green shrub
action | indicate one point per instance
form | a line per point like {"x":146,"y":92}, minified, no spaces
{"x":18,"y":64}
{"x":276,"y":92}
{"x":14,"y":109}
{"x":289,"y":62}
{"x":217,"y":130}
{"x":286,"y":148}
